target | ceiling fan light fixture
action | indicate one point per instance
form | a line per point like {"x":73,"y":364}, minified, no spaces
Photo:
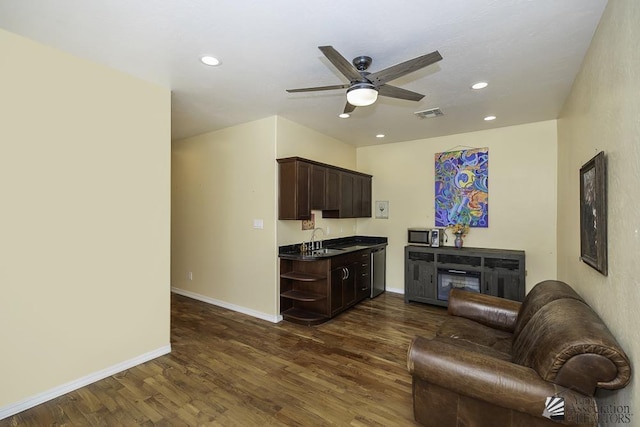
{"x":362,"y":94}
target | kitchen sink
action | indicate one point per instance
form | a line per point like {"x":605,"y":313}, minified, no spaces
{"x":326,"y":251}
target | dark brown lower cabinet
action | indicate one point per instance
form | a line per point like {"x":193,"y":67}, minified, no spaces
{"x":313,"y":291}
{"x":343,"y":288}
{"x":363,"y":275}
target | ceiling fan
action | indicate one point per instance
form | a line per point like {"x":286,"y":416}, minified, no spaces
{"x":364,"y":87}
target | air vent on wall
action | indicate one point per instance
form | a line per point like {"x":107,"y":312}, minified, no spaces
{"x":429,"y":114}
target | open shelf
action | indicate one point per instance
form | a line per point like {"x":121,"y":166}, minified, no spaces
{"x":301,"y":276}
{"x":301,"y":316}
{"x":302,"y":295}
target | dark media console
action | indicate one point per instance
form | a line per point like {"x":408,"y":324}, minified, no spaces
{"x":430,"y":273}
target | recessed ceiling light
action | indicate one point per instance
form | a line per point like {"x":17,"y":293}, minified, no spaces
{"x":380,"y":135}
{"x":344,"y":115}
{"x":479,"y":85}
{"x":489,"y":118}
{"x":210,"y":60}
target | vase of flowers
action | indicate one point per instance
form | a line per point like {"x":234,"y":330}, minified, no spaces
{"x":458,"y":242}
{"x":460,"y":231}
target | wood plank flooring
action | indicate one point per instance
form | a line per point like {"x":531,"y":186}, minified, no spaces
{"x":229,"y":369}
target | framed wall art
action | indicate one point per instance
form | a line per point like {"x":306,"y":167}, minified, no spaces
{"x":382,"y":209}
{"x":593,"y":213}
{"x":462,"y":188}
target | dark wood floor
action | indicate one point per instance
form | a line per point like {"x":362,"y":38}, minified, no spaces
{"x":230,"y":369}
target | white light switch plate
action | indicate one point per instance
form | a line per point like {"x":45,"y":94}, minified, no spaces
{"x":258,"y":223}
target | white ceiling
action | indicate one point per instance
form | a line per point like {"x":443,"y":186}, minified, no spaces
{"x":528,"y":50}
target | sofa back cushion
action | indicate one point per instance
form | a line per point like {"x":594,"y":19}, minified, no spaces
{"x":542,"y":294}
{"x":568,"y":344}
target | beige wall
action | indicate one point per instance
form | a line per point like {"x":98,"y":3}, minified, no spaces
{"x":84,"y":223}
{"x":221,"y":182}
{"x":522,"y":194}
{"x":602,"y":114}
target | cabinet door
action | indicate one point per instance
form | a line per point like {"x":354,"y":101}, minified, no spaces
{"x":304,"y":184}
{"x":420,"y":282}
{"x":503,"y":283}
{"x":318,"y":187}
{"x":347,"y":182}
{"x":349,"y":284}
{"x":356,"y":203}
{"x":365,"y":199}
{"x":504,"y":277}
{"x":332,"y":190}
{"x":294,"y":190}
{"x":337,"y":298}
{"x":355,"y":196}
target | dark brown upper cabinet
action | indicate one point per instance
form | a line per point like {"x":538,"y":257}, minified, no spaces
{"x":306,"y":185}
{"x":332,"y":190}
{"x":294,"y":201}
{"x":318,"y":187}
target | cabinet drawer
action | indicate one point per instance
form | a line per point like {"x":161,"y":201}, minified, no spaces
{"x":422,"y":256}
{"x":471,"y":261}
{"x":507,"y":264}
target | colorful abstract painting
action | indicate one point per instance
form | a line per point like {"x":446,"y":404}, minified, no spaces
{"x":462,"y":188}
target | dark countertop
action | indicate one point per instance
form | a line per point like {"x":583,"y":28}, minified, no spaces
{"x":340,"y":246}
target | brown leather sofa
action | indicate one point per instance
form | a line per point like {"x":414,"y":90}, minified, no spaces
{"x":496,"y":362}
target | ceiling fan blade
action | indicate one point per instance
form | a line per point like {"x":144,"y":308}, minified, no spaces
{"x":339,"y":61}
{"x":396,"y":92}
{"x":399,"y":70}
{"x":348,"y":108}
{"x":313,"y":89}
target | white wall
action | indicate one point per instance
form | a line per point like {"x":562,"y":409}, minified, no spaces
{"x":602,"y":114}
{"x":84,"y":223}
{"x":522,"y":194}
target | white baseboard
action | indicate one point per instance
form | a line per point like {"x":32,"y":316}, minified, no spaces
{"x":396,"y":290}
{"x":58,"y":391}
{"x":253,"y":313}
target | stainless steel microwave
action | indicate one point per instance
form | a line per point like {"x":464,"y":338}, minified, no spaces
{"x":419,"y":235}
{"x":424,"y":236}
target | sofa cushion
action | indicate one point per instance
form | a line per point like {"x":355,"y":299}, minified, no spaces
{"x":459,"y":328}
{"x":475,"y":347}
{"x":542,"y":294}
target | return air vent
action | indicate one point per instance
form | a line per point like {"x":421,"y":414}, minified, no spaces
{"x":429,"y":114}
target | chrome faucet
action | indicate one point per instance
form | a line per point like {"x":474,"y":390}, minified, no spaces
{"x":313,"y":236}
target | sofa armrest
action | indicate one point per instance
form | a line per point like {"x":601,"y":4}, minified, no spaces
{"x":492,"y":380}
{"x":495,"y":312}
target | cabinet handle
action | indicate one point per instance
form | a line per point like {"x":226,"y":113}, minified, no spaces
{"x":347,"y":270}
